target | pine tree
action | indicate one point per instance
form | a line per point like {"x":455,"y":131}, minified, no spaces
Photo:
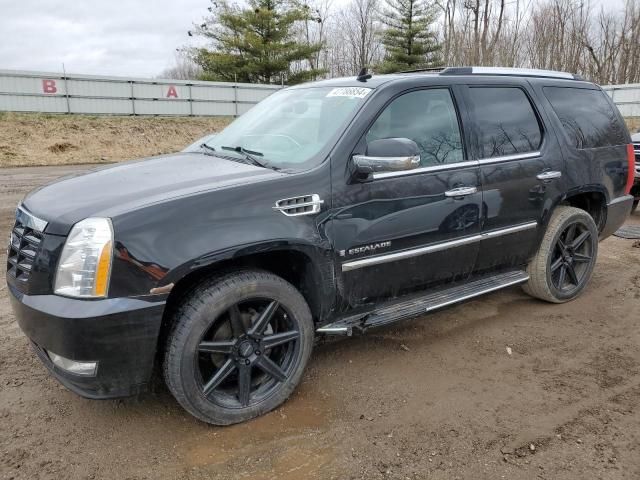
{"x":256,"y":44}
{"x":408,"y":38}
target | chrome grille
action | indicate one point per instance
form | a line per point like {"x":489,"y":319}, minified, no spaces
{"x":24,"y":245}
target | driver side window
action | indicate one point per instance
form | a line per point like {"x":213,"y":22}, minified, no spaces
{"x":428,"y":117}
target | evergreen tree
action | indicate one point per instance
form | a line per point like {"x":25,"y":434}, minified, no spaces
{"x":408,"y":38}
{"x":256,"y":43}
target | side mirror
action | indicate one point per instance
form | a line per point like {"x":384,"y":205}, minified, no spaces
{"x":387,"y":155}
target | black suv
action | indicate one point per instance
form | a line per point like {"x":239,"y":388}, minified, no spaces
{"x":329,"y":208}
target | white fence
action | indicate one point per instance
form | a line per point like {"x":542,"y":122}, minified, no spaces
{"x":626,"y":97}
{"x":22,"y":91}
{"x":56,"y":93}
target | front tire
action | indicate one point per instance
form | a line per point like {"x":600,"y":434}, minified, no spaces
{"x":563,"y":265}
{"x":634,"y":205}
{"x":238,"y":346}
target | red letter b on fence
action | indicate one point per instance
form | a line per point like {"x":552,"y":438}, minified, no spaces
{"x":49,"y":86}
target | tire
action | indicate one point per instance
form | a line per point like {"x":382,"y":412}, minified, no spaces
{"x":546,"y":268}
{"x":217,"y":334}
{"x":634,"y":205}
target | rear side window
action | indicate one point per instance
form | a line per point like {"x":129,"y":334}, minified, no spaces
{"x":587,"y":117}
{"x":506,"y":123}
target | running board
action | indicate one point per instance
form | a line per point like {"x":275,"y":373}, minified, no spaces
{"x":417,"y":306}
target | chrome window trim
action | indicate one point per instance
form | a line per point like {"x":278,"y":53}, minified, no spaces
{"x":411,"y":158}
{"x":415,"y":252}
{"x":29,"y":220}
{"x":509,"y":158}
{"x":452,"y":166}
{"x":429,"y":169}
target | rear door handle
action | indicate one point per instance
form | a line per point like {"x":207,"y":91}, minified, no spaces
{"x":460,"y":192}
{"x":549,"y":175}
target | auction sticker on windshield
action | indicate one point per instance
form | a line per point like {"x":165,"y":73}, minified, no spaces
{"x":356,"y":92}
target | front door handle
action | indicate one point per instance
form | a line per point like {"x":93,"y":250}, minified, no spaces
{"x":460,"y":192}
{"x":549,"y":175}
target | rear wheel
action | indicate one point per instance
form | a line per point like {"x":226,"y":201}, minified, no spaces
{"x":564,"y":263}
{"x":634,"y":205}
{"x":238,"y":347}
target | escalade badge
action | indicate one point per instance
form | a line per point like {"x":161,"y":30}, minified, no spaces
{"x":371,"y":248}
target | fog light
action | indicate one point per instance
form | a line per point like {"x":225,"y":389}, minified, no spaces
{"x":87,"y":369}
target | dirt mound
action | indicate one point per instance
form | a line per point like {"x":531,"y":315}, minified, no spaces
{"x":61,"y":147}
{"x":38,"y":139}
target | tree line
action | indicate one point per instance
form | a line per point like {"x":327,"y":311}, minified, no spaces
{"x":291,"y":41}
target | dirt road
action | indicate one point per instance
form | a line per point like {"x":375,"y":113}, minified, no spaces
{"x":438,"y":397}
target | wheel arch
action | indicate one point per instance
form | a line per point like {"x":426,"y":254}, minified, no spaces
{"x":308,"y":268}
{"x":591,"y":198}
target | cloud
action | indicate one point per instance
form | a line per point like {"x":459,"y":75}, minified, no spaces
{"x":118,"y":37}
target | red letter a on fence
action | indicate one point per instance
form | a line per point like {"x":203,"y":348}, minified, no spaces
{"x":172,"y":93}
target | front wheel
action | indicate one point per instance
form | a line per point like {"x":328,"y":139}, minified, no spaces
{"x":563,"y":265}
{"x":634,"y":205}
{"x":238,"y":347}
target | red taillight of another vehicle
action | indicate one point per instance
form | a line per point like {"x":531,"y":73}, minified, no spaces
{"x":631,"y":160}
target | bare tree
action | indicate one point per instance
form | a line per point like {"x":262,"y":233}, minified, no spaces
{"x":360,"y":32}
{"x":184,"y":68}
{"x":602,"y":45}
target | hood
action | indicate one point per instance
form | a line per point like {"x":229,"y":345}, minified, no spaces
{"x":107,"y":191}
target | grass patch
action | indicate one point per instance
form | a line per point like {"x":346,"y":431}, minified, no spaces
{"x":30,"y":139}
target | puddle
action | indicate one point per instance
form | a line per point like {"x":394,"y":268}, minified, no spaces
{"x":281,"y":443}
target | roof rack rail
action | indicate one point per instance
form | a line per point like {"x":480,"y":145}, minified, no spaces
{"x":519,"y":72}
{"x":428,"y":69}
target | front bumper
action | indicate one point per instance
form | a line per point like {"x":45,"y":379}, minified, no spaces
{"x":617,"y":212}
{"x":121,"y":334}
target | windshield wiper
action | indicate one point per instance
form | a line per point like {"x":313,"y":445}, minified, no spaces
{"x":208,"y":147}
{"x":250,"y":156}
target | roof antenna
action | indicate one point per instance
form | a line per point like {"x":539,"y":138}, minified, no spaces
{"x":363,"y":76}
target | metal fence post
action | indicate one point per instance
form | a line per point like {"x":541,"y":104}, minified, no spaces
{"x":235,"y":98}
{"x":66,"y":88}
{"x":133,"y":100}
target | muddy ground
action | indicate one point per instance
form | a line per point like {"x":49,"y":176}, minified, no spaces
{"x":438,"y":397}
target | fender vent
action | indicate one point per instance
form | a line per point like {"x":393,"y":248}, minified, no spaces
{"x":296,"y":206}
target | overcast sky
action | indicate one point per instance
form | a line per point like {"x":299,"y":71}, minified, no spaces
{"x":108,"y":37}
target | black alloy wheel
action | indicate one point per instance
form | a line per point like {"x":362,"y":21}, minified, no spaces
{"x":563,"y":265}
{"x":238,"y":346}
{"x":572,"y":257}
{"x":248,"y":351}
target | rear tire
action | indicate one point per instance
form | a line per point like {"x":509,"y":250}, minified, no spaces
{"x":238,"y":346}
{"x":564,"y":262}
{"x":634,"y":205}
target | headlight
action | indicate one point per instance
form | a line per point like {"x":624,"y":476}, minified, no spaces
{"x":85,"y":263}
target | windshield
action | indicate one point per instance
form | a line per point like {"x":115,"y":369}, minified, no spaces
{"x":291,"y":128}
